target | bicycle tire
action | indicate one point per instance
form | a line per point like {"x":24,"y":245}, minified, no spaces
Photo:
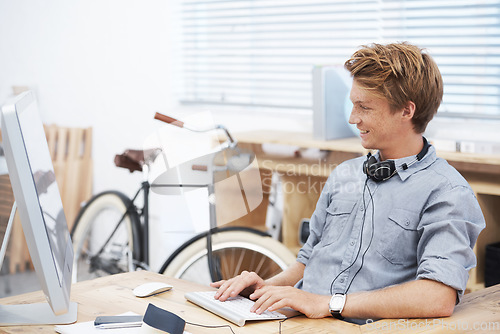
{"x":93,"y":226}
{"x":237,"y":248}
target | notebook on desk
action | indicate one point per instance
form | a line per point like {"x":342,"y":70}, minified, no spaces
{"x":234,"y":309}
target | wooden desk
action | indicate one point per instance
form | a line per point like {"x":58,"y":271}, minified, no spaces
{"x":303,"y":179}
{"x":113,"y":295}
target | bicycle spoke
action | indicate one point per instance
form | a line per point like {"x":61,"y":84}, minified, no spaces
{"x":237,"y":268}
{"x":252,"y":262}
{"x":260,"y":266}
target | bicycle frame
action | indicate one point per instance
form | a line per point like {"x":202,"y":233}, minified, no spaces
{"x":143,"y":213}
{"x":231,"y":144}
{"x":214,"y":271}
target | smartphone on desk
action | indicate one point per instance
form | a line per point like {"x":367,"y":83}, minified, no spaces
{"x":118,"y":321}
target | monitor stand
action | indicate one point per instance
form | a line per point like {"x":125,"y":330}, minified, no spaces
{"x":35,"y":314}
{"x":30,"y":314}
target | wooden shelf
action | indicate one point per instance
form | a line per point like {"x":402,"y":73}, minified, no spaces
{"x":300,"y":139}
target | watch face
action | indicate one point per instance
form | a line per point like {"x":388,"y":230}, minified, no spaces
{"x":337,"y":302}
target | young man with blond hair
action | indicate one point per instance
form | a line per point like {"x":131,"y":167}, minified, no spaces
{"x":392,"y":234}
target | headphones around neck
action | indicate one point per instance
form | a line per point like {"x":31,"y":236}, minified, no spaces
{"x":384,"y":170}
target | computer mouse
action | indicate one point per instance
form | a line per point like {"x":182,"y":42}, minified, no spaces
{"x":151,"y":288}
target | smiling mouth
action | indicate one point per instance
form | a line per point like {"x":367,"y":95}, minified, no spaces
{"x":363,"y":131}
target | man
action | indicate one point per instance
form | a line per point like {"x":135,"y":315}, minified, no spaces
{"x":392,"y":234}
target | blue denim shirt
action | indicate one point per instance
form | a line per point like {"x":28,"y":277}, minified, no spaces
{"x":421,"y":223}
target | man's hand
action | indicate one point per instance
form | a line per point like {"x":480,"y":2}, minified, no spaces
{"x":273,"y":298}
{"x":244,"y":284}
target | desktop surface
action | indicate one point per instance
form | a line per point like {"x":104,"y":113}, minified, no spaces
{"x":113,"y":295}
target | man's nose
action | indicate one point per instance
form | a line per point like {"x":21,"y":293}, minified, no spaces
{"x":354,"y":118}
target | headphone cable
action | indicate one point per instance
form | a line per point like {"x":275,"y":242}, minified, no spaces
{"x":371,"y":239}
{"x":360,"y":241}
{"x":211,"y":326}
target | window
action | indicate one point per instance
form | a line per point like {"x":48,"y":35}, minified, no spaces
{"x":261,"y":52}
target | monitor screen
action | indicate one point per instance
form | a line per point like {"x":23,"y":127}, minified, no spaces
{"x":42,"y":172}
{"x":41,"y":212}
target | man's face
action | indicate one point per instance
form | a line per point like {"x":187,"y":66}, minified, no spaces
{"x":379,"y":127}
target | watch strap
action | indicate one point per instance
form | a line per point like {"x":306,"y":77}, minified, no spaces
{"x":337,"y":315}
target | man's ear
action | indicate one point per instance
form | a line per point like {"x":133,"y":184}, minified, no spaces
{"x":409,"y":110}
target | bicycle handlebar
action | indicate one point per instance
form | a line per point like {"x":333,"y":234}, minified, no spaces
{"x":180,"y":124}
{"x":169,"y":120}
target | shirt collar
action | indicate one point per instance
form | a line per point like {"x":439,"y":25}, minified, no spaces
{"x":403,"y":174}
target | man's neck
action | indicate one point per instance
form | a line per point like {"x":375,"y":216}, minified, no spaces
{"x":410,"y":145}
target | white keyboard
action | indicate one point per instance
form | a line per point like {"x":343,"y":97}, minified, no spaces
{"x":234,"y":309}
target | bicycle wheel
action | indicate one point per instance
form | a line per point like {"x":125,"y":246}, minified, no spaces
{"x":236,"y":248}
{"x":102,"y":244}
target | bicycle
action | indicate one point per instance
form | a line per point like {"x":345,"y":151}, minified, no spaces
{"x":110,"y":234}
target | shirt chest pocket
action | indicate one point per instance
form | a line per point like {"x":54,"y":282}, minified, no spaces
{"x":399,"y":237}
{"x":337,"y":214}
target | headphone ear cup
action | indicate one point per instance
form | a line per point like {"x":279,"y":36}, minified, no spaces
{"x":368,"y":165}
{"x":382,"y":171}
{"x":378,"y":171}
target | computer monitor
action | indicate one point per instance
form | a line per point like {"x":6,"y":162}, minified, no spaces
{"x":331,"y":103}
{"x":41,"y":212}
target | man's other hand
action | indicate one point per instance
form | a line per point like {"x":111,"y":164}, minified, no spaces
{"x":244,"y":284}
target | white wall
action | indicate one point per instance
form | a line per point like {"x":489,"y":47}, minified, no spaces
{"x":103,"y":64}
{"x":107,"y":64}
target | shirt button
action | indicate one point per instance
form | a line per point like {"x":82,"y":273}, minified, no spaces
{"x":407,"y":223}
{"x":341,"y":280}
{"x":352,"y":243}
{"x":362,"y":208}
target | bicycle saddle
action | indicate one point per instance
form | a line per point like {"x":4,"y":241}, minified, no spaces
{"x":133,"y":160}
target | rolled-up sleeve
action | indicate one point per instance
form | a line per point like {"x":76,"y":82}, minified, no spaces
{"x":449,"y":228}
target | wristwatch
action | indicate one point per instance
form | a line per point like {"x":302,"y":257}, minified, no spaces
{"x":336,"y":305}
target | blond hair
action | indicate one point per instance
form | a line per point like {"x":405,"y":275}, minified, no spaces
{"x":400,"y":72}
